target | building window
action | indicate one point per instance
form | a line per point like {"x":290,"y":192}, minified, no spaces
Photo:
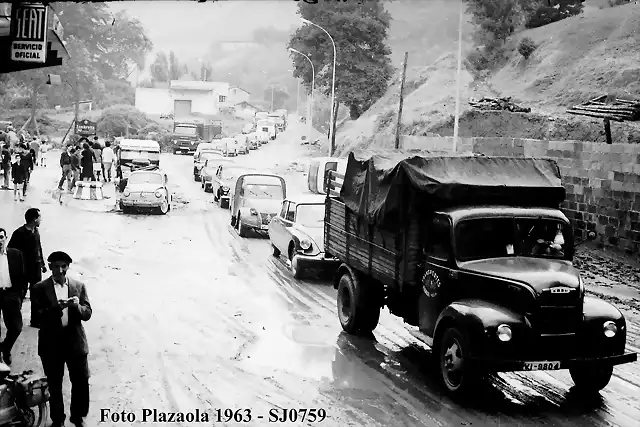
{"x":222,"y":98}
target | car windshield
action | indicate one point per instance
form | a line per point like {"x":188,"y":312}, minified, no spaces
{"x":210,"y":156}
{"x":145,"y":178}
{"x":482,"y":238}
{"x":185,"y":130}
{"x":263,"y":191}
{"x":310,"y":215}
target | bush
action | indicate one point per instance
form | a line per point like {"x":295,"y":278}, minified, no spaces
{"x":526,"y":47}
{"x":546,"y":14}
{"x":487,"y":59}
{"x":115,"y":120}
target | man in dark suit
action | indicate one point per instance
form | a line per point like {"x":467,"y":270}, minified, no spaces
{"x":62,"y":305}
{"x":13,"y":285}
{"x":27,"y":240}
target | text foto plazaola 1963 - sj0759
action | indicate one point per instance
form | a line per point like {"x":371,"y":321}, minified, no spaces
{"x":274,"y":415}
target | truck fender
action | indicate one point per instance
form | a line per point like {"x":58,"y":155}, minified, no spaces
{"x":473,"y":317}
{"x":596,"y":309}
{"x":344,"y":268}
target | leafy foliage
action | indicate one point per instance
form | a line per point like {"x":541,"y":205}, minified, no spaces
{"x":526,"y":47}
{"x":363,"y":66}
{"x":175,"y":69}
{"x":160,"y":68}
{"x":546,"y":13}
{"x":115,"y":120}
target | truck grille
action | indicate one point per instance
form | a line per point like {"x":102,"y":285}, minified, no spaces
{"x":550,"y":320}
{"x":266,"y":218}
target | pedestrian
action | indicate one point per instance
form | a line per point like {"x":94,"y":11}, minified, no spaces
{"x":46,"y":144}
{"x":5,"y":164}
{"x":97,"y":165}
{"x":27,"y":240}
{"x":63,"y":304}
{"x":107,"y":161}
{"x":13,"y":137}
{"x":13,"y":288}
{"x":88,"y":159}
{"x":35,"y":146}
{"x":18,"y":175}
{"x":75,"y":166}
{"x":26,"y":160}
{"x":67,"y":173}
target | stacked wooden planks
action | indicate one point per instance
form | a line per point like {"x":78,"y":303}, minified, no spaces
{"x":619,"y":110}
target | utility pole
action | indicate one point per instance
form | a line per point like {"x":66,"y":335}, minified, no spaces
{"x":456,"y":123}
{"x":76,"y":90}
{"x":298,"y":100}
{"x":34,"y":100}
{"x":399,"y":124}
{"x":272,"y":92}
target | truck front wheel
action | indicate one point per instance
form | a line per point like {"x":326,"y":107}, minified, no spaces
{"x":453,"y":360}
{"x":357,"y":309}
{"x":591,"y":379}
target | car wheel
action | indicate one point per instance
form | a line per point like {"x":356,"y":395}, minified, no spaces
{"x":208,"y":188}
{"x":453,"y":360}
{"x":197,"y":178}
{"x":294,"y":265}
{"x":164,"y":207}
{"x":202,"y":184}
{"x":276,"y":251}
{"x":242,"y":229}
{"x":591,"y":379}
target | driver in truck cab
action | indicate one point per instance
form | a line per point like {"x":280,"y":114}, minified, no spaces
{"x":544,"y":238}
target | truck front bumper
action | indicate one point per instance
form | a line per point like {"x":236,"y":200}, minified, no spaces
{"x":551,"y":365}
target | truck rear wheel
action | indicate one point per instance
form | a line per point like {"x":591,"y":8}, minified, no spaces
{"x":591,"y":379}
{"x":357,"y":310}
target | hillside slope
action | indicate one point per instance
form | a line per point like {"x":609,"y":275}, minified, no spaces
{"x":577,"y":59}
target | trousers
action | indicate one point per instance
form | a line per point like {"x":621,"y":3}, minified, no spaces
{"x":78,"y":367}
{"x":11,"y":308}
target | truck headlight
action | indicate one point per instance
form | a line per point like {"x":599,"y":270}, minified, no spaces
{"x":126,"y":193}
{"x":504,"y":333}
{"x":252,"y":211}
{"x":158,"y":194}
{"x":610,"y":329}
{"x":305,"y":244}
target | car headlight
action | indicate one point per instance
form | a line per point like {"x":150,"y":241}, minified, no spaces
{"x":581,"y":287}
{"x":126,"y":193}
{"x":504,"y":333}
{"x":305,"y":244}
{"x":158,"y":194}
{"x":610,"y":329}
{"x":253,"y":211}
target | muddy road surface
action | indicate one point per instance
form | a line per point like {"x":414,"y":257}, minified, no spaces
{"x":188,"y":316}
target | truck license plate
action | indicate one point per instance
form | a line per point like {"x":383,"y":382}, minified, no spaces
{"x":542,"y":366}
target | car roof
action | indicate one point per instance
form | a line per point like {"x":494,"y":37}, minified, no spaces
{"x":139,"y":143}
{"x":307,"y":199}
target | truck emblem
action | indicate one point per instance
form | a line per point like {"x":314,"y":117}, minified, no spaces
{"x":560,"y":290}
{"x":430,"y":283}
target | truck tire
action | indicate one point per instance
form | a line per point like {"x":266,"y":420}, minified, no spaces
{"x":591,"y":379}
{"x":357,"y":310}
{"x":453,"y":358}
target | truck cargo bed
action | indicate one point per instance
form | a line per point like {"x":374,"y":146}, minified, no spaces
{"x":391,"y":258}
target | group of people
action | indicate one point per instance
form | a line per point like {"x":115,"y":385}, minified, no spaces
{"x":59,"y":305}
{"x":87,"y":162}
{"x":18,"y":159}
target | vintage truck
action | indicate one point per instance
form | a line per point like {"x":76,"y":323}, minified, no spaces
{"x":475,"y":256}
{"x":189,"y":132}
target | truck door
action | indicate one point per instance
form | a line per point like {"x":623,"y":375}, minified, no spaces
{"x":438,"y":273}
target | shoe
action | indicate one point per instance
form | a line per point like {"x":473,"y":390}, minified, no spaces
{"x":6,"y":357}
{"x":57,"y":424}
{"x":77,"y":423}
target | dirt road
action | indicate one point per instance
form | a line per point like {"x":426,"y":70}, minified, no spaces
{"x":189,"y":316}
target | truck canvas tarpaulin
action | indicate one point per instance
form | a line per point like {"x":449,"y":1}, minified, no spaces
{"x":379,"y":189}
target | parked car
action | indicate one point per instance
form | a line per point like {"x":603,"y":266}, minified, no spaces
{"x":267,"y":130}
{"x":252,"y":141}
{"x":228,"y":146}
{"x":318,"y":169}
{"x":256,"y":199}
{"x":242,"y":143}
{"x":202,"y":155}
{"x":146,"y":189}
{"x":298,"y":232}
{"x":221,"y":181}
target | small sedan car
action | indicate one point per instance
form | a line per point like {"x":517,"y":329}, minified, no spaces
{"x":146,"y":189}
{"x":200,"y":158}
{"x":242,"y":143}
{"x":298,"y":232}
{"x":228,"y":146}
{"x":256,"y":199}
{"x":252,"y":141}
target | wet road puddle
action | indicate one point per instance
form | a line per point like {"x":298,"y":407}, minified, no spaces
{"x":296,"y":348}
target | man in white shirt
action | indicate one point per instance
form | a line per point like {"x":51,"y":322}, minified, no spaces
{"x":13,"y":285}
{"x":63,"y":304}
{"x":108,"y":157}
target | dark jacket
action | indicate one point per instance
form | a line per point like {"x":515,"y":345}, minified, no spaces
{"x":75,"y":161}
{"x":65,"y":159}
{"x":5,"y":158}
{"x":17,"y":271}
{"x":29,"y":244}
{"x":53,"y":339}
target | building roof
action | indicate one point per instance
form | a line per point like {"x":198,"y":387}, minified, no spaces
{"x":238,"y":87}
{"x":199,"y":85}
{"x":247,"y":104}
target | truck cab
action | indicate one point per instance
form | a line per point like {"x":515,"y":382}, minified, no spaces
{"x":186,"y":137}
{"x":474,"y":254}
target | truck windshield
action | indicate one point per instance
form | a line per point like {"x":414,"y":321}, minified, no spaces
{"x":257,"y":191}
{"x":185,"y":130}
{"x":482,"y":238}
{"x":310,"y":215}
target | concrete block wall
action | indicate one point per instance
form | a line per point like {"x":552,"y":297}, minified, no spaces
{"x":602,"y":181}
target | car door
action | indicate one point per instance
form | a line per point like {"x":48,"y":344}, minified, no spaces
{"x":287,"y":223}
{"x":276,"y":228}
{"x":217,"y":180}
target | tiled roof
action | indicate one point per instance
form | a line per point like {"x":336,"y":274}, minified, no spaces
{"x":199,"y":85}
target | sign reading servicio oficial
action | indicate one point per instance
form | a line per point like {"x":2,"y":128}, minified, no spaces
{"x":29,"y":32}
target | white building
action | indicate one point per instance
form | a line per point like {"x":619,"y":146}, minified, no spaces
{"x":237,"y":95}
{"x":184,"y":98}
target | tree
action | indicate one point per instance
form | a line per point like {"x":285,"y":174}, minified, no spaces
{"x":494,"y":20}
{"x":363,"y":66}
{"x":175,"y":70}
{"x":160,"y":68}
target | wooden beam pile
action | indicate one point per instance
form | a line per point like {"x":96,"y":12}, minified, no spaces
{"x":497,"y":104}
{"x":620,"y":110}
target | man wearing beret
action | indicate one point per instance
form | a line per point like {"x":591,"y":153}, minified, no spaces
{"x":62,"y":304}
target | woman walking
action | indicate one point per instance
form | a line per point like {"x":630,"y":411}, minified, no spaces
{"x":18,"y":173}
{"x":88,"y":159}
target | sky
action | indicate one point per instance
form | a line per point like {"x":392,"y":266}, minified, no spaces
{"x":188,"y":27}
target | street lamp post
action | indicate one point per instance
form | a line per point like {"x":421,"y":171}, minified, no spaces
{"x":333,"y":83}
{"x":456,"y":123}
{"x":313,"y":84}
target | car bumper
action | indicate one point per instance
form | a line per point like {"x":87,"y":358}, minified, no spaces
{"x":556,"y":364}
{"x":142,"y":203}
{"x":316,"y":261}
